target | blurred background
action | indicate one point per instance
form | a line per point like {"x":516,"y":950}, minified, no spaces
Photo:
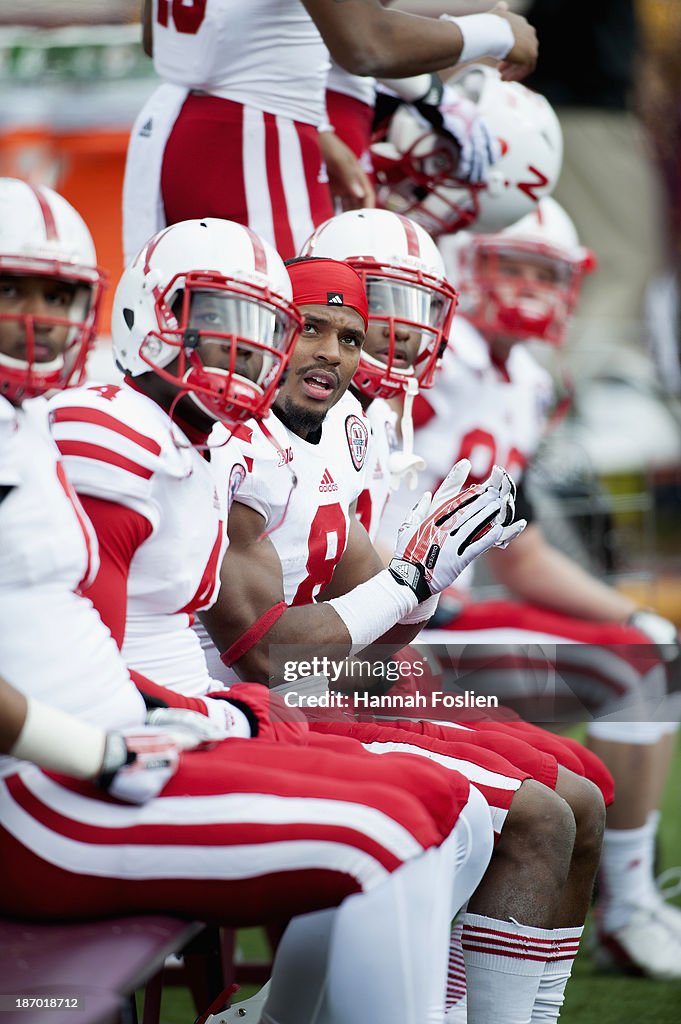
{"x":73,"y":76}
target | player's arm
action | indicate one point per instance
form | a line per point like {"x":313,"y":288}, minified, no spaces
{"x":535,"y":571}
{"x":367,"y":39}
{"x":120,"y":532}
{"x":251,"y":588}
{"x":147,"y":35}
{"x":360,"y":562}
{"x":133,"y":766}
{"x":443,"y":534}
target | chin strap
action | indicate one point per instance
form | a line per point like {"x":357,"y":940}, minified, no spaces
{"x":405,"y":464}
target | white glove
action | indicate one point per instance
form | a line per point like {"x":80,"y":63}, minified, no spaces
{"x":662,"y":632}
{"x":444,"y":533}
{"x":137,"y":764}
{"x":189,"y":729}
{"x":479,"y":149}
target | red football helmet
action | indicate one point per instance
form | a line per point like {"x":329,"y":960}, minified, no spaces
{"x":200,"y":283}
{"x":408,"y":295}
{"x":523,"y":282}
{"x":42,"y":236}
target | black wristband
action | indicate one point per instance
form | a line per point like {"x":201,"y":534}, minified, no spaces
{"x":412,"y":575}
{"x":116,"y":754}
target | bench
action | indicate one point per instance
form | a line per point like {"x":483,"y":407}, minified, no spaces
{"x":102,"y":964}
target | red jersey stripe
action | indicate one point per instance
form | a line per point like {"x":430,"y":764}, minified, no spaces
{"x":84,"y":450}
{"x":74,"y":414}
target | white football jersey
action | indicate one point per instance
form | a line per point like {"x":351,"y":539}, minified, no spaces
{"x":53,"y":645}
{"x":478,"y":411}
{"x":304,"y":492}
{"x":120,"y":446}
{"x":265,"y":54}
{"x":372,"y":501}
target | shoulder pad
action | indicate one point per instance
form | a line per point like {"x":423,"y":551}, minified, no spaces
{"x":114,"y":441}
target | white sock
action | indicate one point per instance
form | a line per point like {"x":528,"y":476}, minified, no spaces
{"x":626,"y":874}
{"x":456,"y":971}
{"x":504,"y":965}
{"x":458,"y":1013}
{"x":551,"y":994}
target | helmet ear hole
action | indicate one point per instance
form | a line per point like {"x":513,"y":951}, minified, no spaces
{"x":129,"y":317}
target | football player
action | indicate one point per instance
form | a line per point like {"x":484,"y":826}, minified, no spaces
{"x":301,"y":570}
{"x":489,"y":403}
{"x":243,"y":96}
{"x":177,"y":834}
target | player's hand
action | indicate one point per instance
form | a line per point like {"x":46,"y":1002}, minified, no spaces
{"x":190,"y":730}
{"x":663,"y":633}
{"x":348,"y":181}
{"x":274,"y":720}
{"x":478,"y":148}
{"x":522,"y":57}
{"x":444,"y":533}
{"x":137,"y":764}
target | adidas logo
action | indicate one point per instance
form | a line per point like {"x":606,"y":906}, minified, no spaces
{"x":334,"y":298}
{"x":327,"y":483}
{"x":145,"y":130}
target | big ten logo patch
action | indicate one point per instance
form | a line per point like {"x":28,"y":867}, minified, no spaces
{"x":358,"y":438}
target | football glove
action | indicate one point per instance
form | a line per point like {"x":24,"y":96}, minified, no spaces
{"x":137,"y":764}
{"x":444,"y":533}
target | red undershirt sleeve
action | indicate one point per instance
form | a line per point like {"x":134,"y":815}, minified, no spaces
{"x":120,"y":532}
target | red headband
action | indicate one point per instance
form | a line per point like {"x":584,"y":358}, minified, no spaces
{"x":328,"y":283}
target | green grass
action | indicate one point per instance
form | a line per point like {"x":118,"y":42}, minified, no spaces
{"x":592,"y":998}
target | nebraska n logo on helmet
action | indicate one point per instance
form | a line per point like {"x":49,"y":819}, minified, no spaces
{"x":411,"y":304}
{"x":200,"y":283}
{"x":417,"y":165}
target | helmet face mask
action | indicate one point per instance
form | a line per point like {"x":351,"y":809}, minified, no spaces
{"x":221,"y":337}
{"x":421,"y":181}
{"x":50,"y":292}
{"x":416,"y":164}
{"x":410,"y":314}
{"x":523,"y":282}
{"x":411,"y":304}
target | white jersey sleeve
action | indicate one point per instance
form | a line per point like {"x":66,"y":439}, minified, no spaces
{"x":106,"y":456}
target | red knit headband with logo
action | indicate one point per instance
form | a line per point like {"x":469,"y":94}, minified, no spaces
{"x":328,"y":283}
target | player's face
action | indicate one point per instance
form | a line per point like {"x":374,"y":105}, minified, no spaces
{"x":525,"y":286}
{"x":321,"y":366}
{"x":43,"y":299}
{"x":405,"y":345}
{"x":223,"y":314}
{"x":524,"y":276}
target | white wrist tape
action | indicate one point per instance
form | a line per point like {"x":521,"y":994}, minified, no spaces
{"x":232,"y":721}
{"x":409,"y":89}
{"x":372,"y":608}
{"x":54,"y":740}
{"x":306,"y":686}
{"x":422,"y":612}
{"x":484,"y":35}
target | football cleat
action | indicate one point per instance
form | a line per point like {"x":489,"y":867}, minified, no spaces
{"x":645,"y":945}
